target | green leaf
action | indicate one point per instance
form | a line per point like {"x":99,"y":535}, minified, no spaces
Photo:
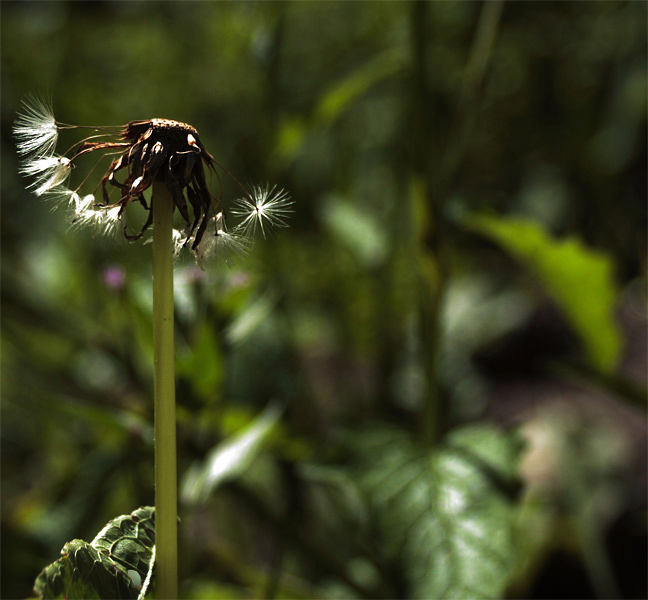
{"x":579,"y":279}
{"x":340,"y":96}
{"x":345,"y":92}
{"x":445,"y":514}
{"x":358,"y":229}
{"x":250,"y":319}
{"x":230,"y":458}
{"x":118,"y":563}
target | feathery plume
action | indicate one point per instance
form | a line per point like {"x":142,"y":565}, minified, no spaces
{"x":263,"y":207}
{"x":35,"y":128}
{"x":50,"y":172}
{"x":220,"y":244}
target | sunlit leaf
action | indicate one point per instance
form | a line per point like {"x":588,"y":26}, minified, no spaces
{"x":448,"y":514}
{"x":343,"y":93}
{"x":116,"y":564}
{"x":250,"y":319}
{"x":230,"y":458}
{"x":579,"y":279}
{"x":336,"y":100}
{"x":355,"y":227}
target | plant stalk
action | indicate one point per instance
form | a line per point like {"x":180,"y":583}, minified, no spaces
{"x":166,"y":491}
{"x":435,"y":177}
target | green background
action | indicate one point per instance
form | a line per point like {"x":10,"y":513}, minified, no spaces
{"x":468,"y":246}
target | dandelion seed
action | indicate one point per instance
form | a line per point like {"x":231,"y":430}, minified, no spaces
{"x":109,"y":220}
{"x":39,"y":164}
{"x":180,"y":241}
{"x":263,"y":208}
{"x":219,"y":244}
{"x":105,"y":221}
{"x":82,"y":205}
{"x":35,"y":129}
{"x":51,"y":173}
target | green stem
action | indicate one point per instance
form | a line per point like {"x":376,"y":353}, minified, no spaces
{"x":473,"y":81}
{"x":427,"y":215}
{"x":166,"y":493}
{"x":435,"y":180}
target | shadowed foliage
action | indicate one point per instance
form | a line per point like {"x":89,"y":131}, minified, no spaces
{"x":432,"y":383}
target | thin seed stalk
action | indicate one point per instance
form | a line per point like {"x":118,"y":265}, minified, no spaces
{"x":166,"y":495}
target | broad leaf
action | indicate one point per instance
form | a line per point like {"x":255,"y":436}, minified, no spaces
{"x":230,"y":458}
{"x":449,"y":514}
{"x":356,"y":227}
{"x":335,"y":101}
{"x":579,"y":279}
{"x":342,"y":94}
{"x":118,"y":563}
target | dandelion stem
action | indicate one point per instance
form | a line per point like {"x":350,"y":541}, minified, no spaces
{"x":166,"y":494}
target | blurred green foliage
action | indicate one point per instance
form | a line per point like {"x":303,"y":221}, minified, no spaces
{"x":563,"y":267}
{"x":381,"y":323}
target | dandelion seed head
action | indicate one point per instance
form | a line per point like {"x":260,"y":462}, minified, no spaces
{"x":144,"y":151}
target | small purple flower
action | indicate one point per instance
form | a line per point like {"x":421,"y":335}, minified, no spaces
{"x":114,"y":277}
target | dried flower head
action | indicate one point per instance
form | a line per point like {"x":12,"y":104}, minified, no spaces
{"x":155,"y":150}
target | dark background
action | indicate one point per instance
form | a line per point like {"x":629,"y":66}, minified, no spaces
{"x":388,"y":123}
